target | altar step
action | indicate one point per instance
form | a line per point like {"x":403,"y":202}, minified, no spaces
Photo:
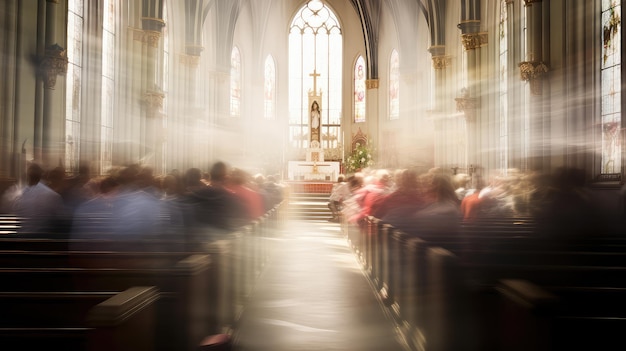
{"x":308,"y":206}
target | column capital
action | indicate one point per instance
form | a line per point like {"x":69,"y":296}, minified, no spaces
{"x":189,"y":60}
{"x":468,"y":106}
{"x":151,"y":37}
{"x":372,"y":84}
{"x":441,"y":61}
{"x":533,"y":72}
{"x":473,"y":41}
{"x":53,"y":63}
{"x":153,"y":101}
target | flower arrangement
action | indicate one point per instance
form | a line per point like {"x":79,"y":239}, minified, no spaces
{"x":360,"y":158}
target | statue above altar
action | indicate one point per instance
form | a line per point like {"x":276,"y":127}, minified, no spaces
{"x":314,"y":168}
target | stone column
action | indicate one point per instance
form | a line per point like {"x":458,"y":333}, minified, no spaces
{"x":152,"y":94}
{"x":440,"y":62}
{"x":469,"y":100}
{"x":372,"y":112}
{"x":10,"y":153}
{"x":50,"y":151}
{"x":534,"y":71}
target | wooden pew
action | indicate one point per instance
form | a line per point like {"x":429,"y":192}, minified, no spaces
{"x":410,"y":289}
{"x":182,"y":319}
{"x":77,"y":320}
{"x":560,"y":317}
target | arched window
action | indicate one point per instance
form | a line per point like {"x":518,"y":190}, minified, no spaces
{"x":315,"y":58}
{"x":73,"y":95}
{"x":108,"y":84}
{"x":394,"y":85}
{"x":269,"y":89}
{"x":165,"y":83}
{"x":611,"y":70}
{"x":504,"y":67}
{"x":235,"y":83}
{"x":359,"y":90}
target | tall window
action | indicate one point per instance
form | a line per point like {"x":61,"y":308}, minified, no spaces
{"x":315,"y":47}
{"x":504,"y":118}
{"x":359,"y":90}
{"x":73,"y":88}
{"x":611,"y":67}
{"x":269,"y":90}
{"x":165,"y":84}
{"x":394,"y":85}
{"x":108,"y":75}
{"x":235,"y":83}
{"x":525,"y":98}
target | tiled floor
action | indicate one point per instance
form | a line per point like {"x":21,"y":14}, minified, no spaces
{"x":314,"y":296}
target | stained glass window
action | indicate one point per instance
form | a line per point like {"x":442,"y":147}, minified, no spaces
{"x":359,"y":90}
{"x":73,"y":93}
{"x":269,"y":90}
{"x":315,"y":47}
{"x":394,"y":85}
{"x":504,"y":118}
{"x":108,"y":76}
{"x":235,"y":83}
{"x":611,"y":69}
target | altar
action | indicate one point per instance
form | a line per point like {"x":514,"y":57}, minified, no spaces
{"x":313,"y":171}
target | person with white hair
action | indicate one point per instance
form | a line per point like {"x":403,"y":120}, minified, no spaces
{"x":375,"y":187}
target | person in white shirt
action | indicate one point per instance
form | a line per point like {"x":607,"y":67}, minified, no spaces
{"x":339,"y":192}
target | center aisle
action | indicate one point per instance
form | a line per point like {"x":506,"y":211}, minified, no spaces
{"x":314,"y":296}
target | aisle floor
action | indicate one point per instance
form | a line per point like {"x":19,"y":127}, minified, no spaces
{"x":313,"y":295}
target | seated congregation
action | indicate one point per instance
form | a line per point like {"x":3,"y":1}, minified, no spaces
{"x":524,"y":262}
{"x":132,"y":262}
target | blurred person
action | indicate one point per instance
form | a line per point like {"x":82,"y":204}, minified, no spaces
{"x":193,"y":180}
{"x":215,"y":207}
{"x":441,"y":213}
{"x":76,"y":191}
{"x":402,"y":202}
{"x":238,"y":184}
{"x":470,"y":205}
{"x":271,"y":192}
{"x":123,"y":209}
{"x":567,"y":210}
{"x":146,"y":181}
{"x":174,"y":206}
{"x":376,"y":187}
{"x":339,"y":191}
{"x":461,"y":181}
{"x":41,"y":209}
{"x":351,"y":206}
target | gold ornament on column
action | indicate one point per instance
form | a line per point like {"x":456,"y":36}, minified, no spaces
{"x":371,"y":84}
{"x":189,"y":60}
{"x":473,"y":41}
{"x":467,"y":105}
{"x":153,"y":101}
{"x":54,"y":62}
{"x":533,"y":72}
{"x":151,"y":37}
{"x":441,"y":61}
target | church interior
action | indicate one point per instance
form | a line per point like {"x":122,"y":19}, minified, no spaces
{"x":520,"y":96}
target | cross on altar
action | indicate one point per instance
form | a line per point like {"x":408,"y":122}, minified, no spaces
{"x":314,"y":75}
